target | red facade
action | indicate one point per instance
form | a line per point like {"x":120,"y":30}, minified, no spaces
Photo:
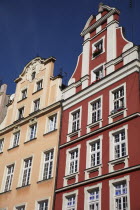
{"x":99,"y":158}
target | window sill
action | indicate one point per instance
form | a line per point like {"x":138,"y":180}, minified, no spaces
{"x":44,"y":180}
{"x":69,"y":177}
{"x":22,"y":186}
{"x":92,"y":125}
{"x":69,"y":135}
{"x":93,"y":169}
{"x":118,"y":161}
{"x":49,"y":132}
{"x":21,"y":100}
{"x":96,"y":56}
{"x":30,"y":140}
{"x":117,"y":113}
{"x":37,"y":91}
{"x":12,"y":148}
{"x":5,"y":192}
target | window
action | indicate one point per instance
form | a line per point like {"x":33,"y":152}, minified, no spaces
{"x":98,"y":48}
{"x":36,"y":104}
{"x":96,"y":110}
{"x":32,"y":131}
{"x":121,"y":196}
{"x":119,"y":144}
{"x":75,"y":121}
{"x":118,"y":100}
{"x":39,"y":85}
{"x":9,"y":177}
{"x":15,"y":139}
{"x":93,"y":197}
{"x":47,"y":165}
{"x":26,"y":171}
{"x":24,"y":94}
{"x":95,"y":154}
{"x":33,"y":75}
{"x":20,"y":207}
{"x":70,"y":200}
{"x":20,"y":113}
{"x":97,"y":74}
{"x":1,"y":145}
{"x":73,"y":161}
{"x":43,"y":205}
{"x":52,"y":123}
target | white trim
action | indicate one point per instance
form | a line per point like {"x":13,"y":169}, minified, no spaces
{"x":107,"y":81}
{"x":89,"y":120}
{"x":88,"y":161}
{"x":19,"y":205}
{"x":111,"y":149}
{"x":64,"y":199}
{"x":70,"y":133}
{"x":100,"y":178}
{"x":112,"y":182}
{"x":41,"y":200}
{"x":103,"y":46}
{"x":96,"y":69}
{"x":86,"y":192}
{"x":67,"y":165}
{"x":111,"y":105}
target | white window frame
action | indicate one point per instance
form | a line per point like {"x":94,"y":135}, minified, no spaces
{"x":86,"y":195}
{"x":29,"y":172}
{"x":34,"y":132}
{"x":97,"y":167}
{"x":123,"y":159}
{"x":52,"y":125}
{"x":67,"y":165}
{"x":89,"y":121}
{"x":24,"y":93}
{"x":6,"y":176}
{"x":18,"y":114}
{"x":67,"y":195}
{"x":1,"y":145}
{"x":97,"y":69}
{"x":112,"y":184}
{"x":38,"y":86}
{"x":102,"y":39}
{"x":14,"y":138}
{"x":70,"y":133}
{"x":111,"y":103}
{"x":50,"y":164}
{"x":42,"y":200}
{"x":20,"y":205}
{"x":36,"y":108}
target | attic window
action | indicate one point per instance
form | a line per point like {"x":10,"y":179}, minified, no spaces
{"x":97,"y":48}
{"x":97,"y":74}
{"x":33,"y":75}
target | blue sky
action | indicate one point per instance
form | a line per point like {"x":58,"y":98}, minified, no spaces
{"x":30,"y":28}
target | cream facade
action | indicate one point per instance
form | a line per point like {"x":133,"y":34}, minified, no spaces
{"x":29,"y":137}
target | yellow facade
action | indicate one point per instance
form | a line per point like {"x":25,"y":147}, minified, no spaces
{"x":29,"y":137}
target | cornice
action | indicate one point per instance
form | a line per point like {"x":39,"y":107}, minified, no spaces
{"x":99,"y":22}
{"x":31,"y":116}
{"x":100,"y":178}
{"x":125,"y":119}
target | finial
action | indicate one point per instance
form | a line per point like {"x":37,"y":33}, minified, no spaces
{"x":100,"y":7}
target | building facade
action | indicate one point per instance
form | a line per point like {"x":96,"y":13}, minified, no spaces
{"x":99,"y":158}
{"x":29,"y":137}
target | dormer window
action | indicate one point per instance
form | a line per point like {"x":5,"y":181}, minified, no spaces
{"x":33,"y":75}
